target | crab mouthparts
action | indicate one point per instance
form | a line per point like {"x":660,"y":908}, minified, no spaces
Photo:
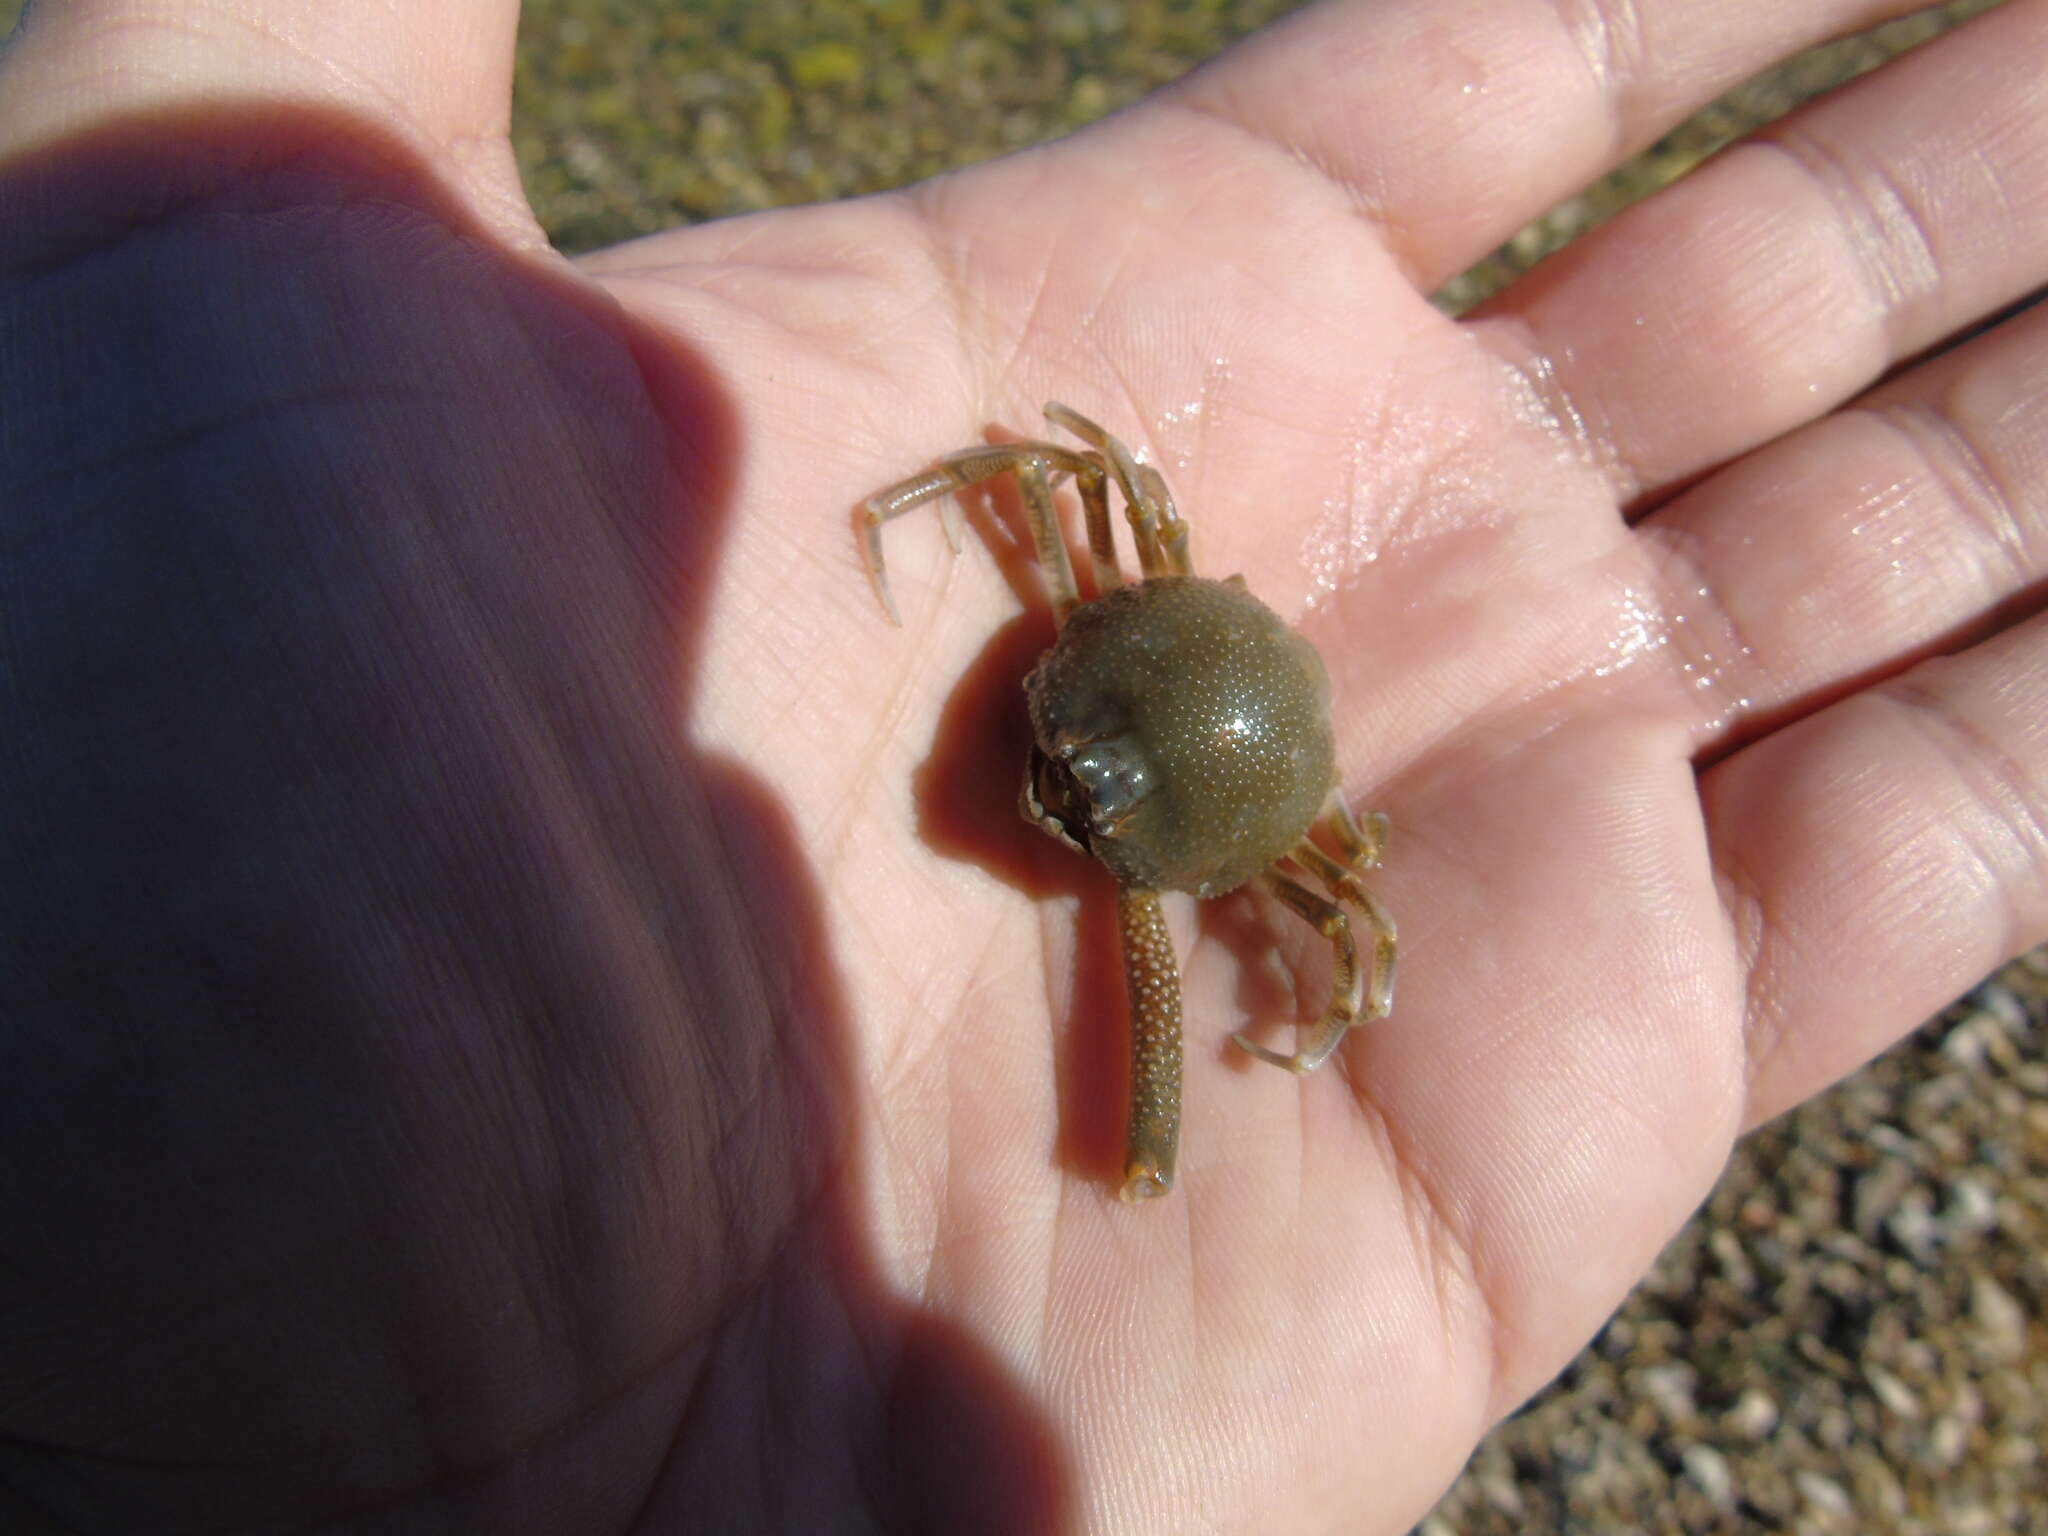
{"x":1089,"y":789}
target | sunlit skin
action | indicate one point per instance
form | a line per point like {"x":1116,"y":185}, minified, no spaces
{"x":526,"y":1004}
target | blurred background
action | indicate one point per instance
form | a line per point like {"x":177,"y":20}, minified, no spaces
{"x":1852,"y":1335}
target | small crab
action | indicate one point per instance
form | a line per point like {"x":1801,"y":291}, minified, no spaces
{"x":1182,"y":737}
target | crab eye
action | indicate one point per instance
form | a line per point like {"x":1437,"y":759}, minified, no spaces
{"x":1115,"y":777}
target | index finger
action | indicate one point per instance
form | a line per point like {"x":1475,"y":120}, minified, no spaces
{"x":1449,"y":127}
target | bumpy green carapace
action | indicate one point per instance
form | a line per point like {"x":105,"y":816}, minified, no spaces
{"x":1183,"y":733}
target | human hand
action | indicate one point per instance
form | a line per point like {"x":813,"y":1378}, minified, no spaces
{"x":528,"y":994}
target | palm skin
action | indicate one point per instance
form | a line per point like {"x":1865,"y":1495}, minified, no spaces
{"x":598,"y":1048}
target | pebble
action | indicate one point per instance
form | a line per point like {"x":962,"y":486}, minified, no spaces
{"x":1670,"y":1387}
{"x":1972,"y":1207}
{"x":1827,"y":1496}
{"x":1891,"y":1391}
{"x":2004,"y":1004}
{"x":1709,"y":1468}
{"x":1735,"y":1265}
{"x":2001,"y":1322}
{"x":1754,"y":1415}
{"x":1948,"y":1439}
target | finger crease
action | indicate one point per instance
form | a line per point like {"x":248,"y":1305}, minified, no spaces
{"x":1953,"y":460}
{"x":1716,"y":663}
{"x":1994,"y":781}
{"x":1887,"y":231}
{"x":1609,"y":36}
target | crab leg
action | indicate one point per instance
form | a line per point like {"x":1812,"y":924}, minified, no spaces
{"x":956,"y":471}
{"x":1173,"y":529}
{"x":1046,"y":539}
{"x":1156,"y":528}
{"x":1363,"y":847}
{"x":1152,"y":980}
{"x":1347,"y":985}
{"x":1094,"y":491}
{"x":1356,"y":995}
{"x":1345,"y":885}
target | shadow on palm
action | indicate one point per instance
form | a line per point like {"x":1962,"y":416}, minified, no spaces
{"x":459,"y":995}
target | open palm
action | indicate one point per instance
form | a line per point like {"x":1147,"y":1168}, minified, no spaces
{"x":747,"y":1138}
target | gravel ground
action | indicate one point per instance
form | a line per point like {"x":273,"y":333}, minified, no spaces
{"x":1850,"y":1335}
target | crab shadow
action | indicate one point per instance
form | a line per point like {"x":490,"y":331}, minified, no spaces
{"x":966,"y":791}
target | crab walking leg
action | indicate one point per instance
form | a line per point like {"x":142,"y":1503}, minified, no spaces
{"x":957,"y":471}
{"x":1153,"y":981}
{"x":1363,"y":846}
{"x":1138,"y":508}
{"x":1173,"y":529}
{"x":1046,"y":538}
{"x":1094,"y":491}
{"x":1347,"y":985}
{"x":1147,"y":503}
{"x":877,"y":510}
{"x":1342,"y":882}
